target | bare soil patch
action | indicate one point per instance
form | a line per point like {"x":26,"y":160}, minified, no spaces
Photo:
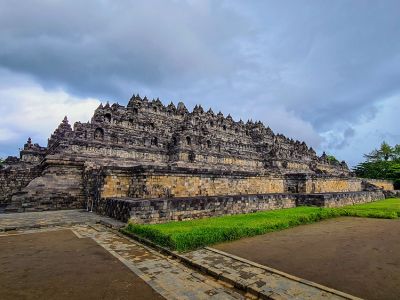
{"x":360,"y":256}
{"x":58,"y":265}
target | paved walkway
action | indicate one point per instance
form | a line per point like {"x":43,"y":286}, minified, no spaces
{"x":56,"y":264}
{"x":15,"y":221}
{"x":167,"y":275}
{"x":263,"y":281}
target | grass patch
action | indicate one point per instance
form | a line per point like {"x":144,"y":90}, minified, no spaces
{"x":386,"y":209}
{"x":188,"y":235}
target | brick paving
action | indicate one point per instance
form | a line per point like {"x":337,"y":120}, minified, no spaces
{"x":55,"y":264}
{"x":26,"y":220}
{"x":260,"y":280}
{"x":165,"y":274}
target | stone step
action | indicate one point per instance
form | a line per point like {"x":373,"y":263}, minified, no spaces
{"x":12,"y":209}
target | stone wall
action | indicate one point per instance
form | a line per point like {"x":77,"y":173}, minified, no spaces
{"x":162,"y":210}
{"x":98,"y":151}
{"x":392,"y":193}
{"x":157,"y":182}
{"x":180,"y":209}
{"x":212,"y":159}
{"x":332,"y":184}
{"x":13,"y":179}
{"x":116,"y":185}
{"x":339,"y":199}
{"x":387,"y":185}
{"x":185,"y":185}
{"x":58,"y":187}
{"x":303,"y":183}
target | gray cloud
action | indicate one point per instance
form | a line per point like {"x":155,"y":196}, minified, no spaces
{"x":106,"y":47}
{"x":315,"y":70}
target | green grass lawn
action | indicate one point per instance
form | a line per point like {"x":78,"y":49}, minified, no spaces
{"x":188,"y":235}
{"x":386,"y":209}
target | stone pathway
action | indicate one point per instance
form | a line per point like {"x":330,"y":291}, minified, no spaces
{"x":14,"y":221}
{"x":258,"y":279}
{"x":167,"y":276}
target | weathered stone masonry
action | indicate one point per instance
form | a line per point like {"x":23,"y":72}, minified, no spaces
{"x":13,"y":179}
{"x":147,"y":150}
{"x":380,"y":183}
{"x":154,"y":182}
{"x":162,"y":210}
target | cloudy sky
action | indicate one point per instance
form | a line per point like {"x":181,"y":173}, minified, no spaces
{"x":327,"y":72}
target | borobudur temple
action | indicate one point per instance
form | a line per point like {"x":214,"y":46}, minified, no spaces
{"x":151,"y":163}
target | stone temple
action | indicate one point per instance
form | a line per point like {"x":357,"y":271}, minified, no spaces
{"x":154,"y":163}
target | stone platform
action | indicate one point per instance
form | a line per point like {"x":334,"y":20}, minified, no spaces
{"x":161,"y":210}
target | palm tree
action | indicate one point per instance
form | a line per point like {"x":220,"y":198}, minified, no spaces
{"x":385,"y":152}
{"x":396,"y":152}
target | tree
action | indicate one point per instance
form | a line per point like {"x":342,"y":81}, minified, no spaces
{"x":385,"y":152}
{"x":332,"y":159}
{"x":382,"y":163}
{"x":396,"y":153}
